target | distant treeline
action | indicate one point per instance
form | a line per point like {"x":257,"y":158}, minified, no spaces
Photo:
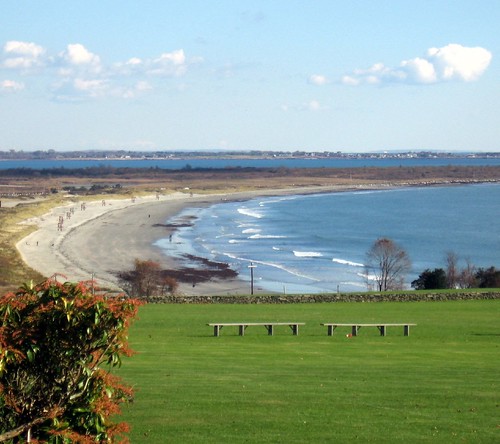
{"x":420,"y":173}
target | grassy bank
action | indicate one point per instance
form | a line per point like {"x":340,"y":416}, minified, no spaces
{"x":13,"y":271}
{"x":438,"y":385}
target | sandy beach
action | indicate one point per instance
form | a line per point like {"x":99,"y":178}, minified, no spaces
{"x":99,"y":239}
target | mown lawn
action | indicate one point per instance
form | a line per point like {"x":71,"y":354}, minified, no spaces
{"x":440,"y":384}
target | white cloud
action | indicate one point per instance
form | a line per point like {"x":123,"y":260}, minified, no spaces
{"x":451,"y":62}
{"x":134,"y":61}
{"x":318,"y":79}
{"x":78,"y":73}
{"x":456,"y":62}
{"x":420,"y":70}
{"x":169,"y":64}
{"x":175,"y":57}
{"x":11,"y":86}
{"x":77,"y":54}
{"x":94,"y":87}
{"x":24,"y":48}
{"x":350,"y":80}
{"x":22,"y":55}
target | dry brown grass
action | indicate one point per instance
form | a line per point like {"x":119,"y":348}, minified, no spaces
{"x":13,"y":271}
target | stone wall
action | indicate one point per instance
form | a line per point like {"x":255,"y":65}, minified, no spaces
{"x":346,"y":297}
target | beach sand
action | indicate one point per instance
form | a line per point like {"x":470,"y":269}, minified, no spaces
{"x":105,"y":237}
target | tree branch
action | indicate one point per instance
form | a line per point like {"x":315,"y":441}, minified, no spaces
{"x":21,"y":429}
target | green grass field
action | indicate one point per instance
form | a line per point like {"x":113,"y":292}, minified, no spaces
{"x":440,"y":384}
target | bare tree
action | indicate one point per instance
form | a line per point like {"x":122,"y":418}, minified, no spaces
{"x":460,"y":278}
{"x":467,"y":277}
{"x":452,"y":272}
{"x":387,"y":264}
{"x":147,"y":280}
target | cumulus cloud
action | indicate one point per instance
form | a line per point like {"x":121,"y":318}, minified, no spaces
{"x":419,"y":70}
{"x":169,"y":63}
{"x":77,"y":61}
{"x":459,"y":62}
{"x":318,"y":79}
{"x":11,"y":86}
{"x":22,"y":55}
{"x":79,"y":73}
{"x":93,"y":87}
{"x":77,"y":54}
{"x":451,"y":62}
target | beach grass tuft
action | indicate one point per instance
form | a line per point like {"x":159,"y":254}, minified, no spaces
{"x":440,"y":384}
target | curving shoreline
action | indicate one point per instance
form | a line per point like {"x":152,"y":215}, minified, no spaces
{"x":105,"y":238}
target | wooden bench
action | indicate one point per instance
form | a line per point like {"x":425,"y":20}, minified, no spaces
{"x":243,"y":325}
{"x":355,"y":327}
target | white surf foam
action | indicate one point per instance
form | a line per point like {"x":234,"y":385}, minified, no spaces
{"x":271,"y":264}
{"x":345,"y":262}
{"x":370,"y":277}
{"x":250,"y":213}
{"x":307,"y":254}
{"x":265,"y":236}
{"x":251,"y":230}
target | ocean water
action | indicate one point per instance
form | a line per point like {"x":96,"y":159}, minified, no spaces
{"x":247,"y":163}
{"x":318,"y":243}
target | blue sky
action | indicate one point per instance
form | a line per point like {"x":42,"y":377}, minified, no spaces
{"x":315,"y":75}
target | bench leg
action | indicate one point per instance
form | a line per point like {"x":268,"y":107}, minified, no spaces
{"x":217,"y":330}
{"x":242,"y":330}
{"x":330,"y":330}
{"x":270,"y":329}
{"x":295,"y":329}
{"x":406,"y":330}
{"x":355,"y":329}
{"x":382,"y":330}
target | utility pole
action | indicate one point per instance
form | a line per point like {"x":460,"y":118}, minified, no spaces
{"x":251,"y":266}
